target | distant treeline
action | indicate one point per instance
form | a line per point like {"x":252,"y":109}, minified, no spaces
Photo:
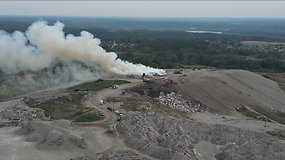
{"x":264,"y":27}
{"x":176,"y":48}
{"x":170,"y":53}
{"x":170,"y":49}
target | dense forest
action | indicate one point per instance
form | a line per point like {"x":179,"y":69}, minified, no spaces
{"x":173,"y":49}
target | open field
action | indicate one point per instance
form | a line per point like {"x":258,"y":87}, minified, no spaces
{"x":261,"y":43}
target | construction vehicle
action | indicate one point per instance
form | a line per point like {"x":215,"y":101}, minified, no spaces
{"x":170,"y":81}
{"x":178,"y":71}
{"x":111,"y":128}
{"x":101,"y":114}
{"x":115,"y":86}
{"x":16,"y":120}
{"x":144,"y":78}
{"x":117,"y":112}
{"x":111,"y":109}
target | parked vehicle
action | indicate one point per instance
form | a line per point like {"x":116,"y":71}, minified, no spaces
{"x":178,"y":71}
{"x":117,"y":112}
{"x":111,"y":128}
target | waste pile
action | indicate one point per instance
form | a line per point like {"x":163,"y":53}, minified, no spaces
{"x":117,"y":154}
{"x":171,"y":138}
{"x":17,"y":109}
{"x":177,"y":101}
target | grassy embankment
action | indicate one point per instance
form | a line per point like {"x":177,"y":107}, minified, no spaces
{"x":277,"y":77}
{"x":277,"y":133}
{"x":261,"y":43}
{"x":71,"y":106}
{"x":263,"y":114}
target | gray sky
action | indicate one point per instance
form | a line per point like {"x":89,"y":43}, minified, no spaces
{"x":266,"y":9}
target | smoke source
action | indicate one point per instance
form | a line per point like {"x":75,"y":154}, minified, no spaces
{"x":41,"y":44}
{"x":43,"y":57}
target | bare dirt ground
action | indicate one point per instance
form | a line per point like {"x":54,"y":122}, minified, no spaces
{"x":221,"y":133}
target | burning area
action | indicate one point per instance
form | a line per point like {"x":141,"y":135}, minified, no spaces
{"x":44,"y":56}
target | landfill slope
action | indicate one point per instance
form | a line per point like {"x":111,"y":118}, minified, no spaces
{"x":182,"y":116}
{"x":54,"y":140}
{"x":113,"y":155}
{"x":224,"y":90}
{"x":170,"y":138}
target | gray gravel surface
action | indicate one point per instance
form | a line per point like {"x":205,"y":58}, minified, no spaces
{"x":113,"y":155}
{"x":170,"y":138}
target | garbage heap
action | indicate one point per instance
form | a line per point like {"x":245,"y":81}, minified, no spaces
{"x":177,"y":101}
{"x":16,"y":109}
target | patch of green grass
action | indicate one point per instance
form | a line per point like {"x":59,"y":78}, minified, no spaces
{"x":81,"y":112}
{"x":193,"y":66}
{"x":258,"y":44}
{"x":76,"y":99}
{"x":63,"y":106}
{"x":277,"y":133}
{"x":70,"y":107}
{"x":277,"y":116}
{"x":246,"y":112}
{"x":89,"y":118}
{"x":92,"y":86}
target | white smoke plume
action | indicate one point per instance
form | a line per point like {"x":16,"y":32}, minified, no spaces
{"x":42,"y":44}
{"x":43,"y":57}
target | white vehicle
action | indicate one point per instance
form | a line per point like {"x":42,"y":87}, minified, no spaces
{"x":111,"y":128}
{"x":101,"y":102}
{"x":117,"y":112}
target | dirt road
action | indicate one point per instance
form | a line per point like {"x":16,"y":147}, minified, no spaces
{"x":110,"y":117}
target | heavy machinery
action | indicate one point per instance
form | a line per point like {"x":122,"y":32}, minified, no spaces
{"x":178,"y":71}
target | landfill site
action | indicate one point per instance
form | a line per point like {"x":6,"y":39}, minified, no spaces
{"x":189,"y":114}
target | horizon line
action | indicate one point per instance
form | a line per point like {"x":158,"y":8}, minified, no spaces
{"x":127,"y":17}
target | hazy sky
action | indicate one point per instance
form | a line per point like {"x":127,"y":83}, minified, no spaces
{"x":146,"y":8}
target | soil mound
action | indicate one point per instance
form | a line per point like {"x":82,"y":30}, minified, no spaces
{"x":51,"y":137}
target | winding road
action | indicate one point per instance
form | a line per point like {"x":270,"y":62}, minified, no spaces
{"x":110,"y":117}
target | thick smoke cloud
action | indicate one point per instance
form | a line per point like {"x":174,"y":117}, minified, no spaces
{"x":43,"y":57}
{"x":42,"y":44}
